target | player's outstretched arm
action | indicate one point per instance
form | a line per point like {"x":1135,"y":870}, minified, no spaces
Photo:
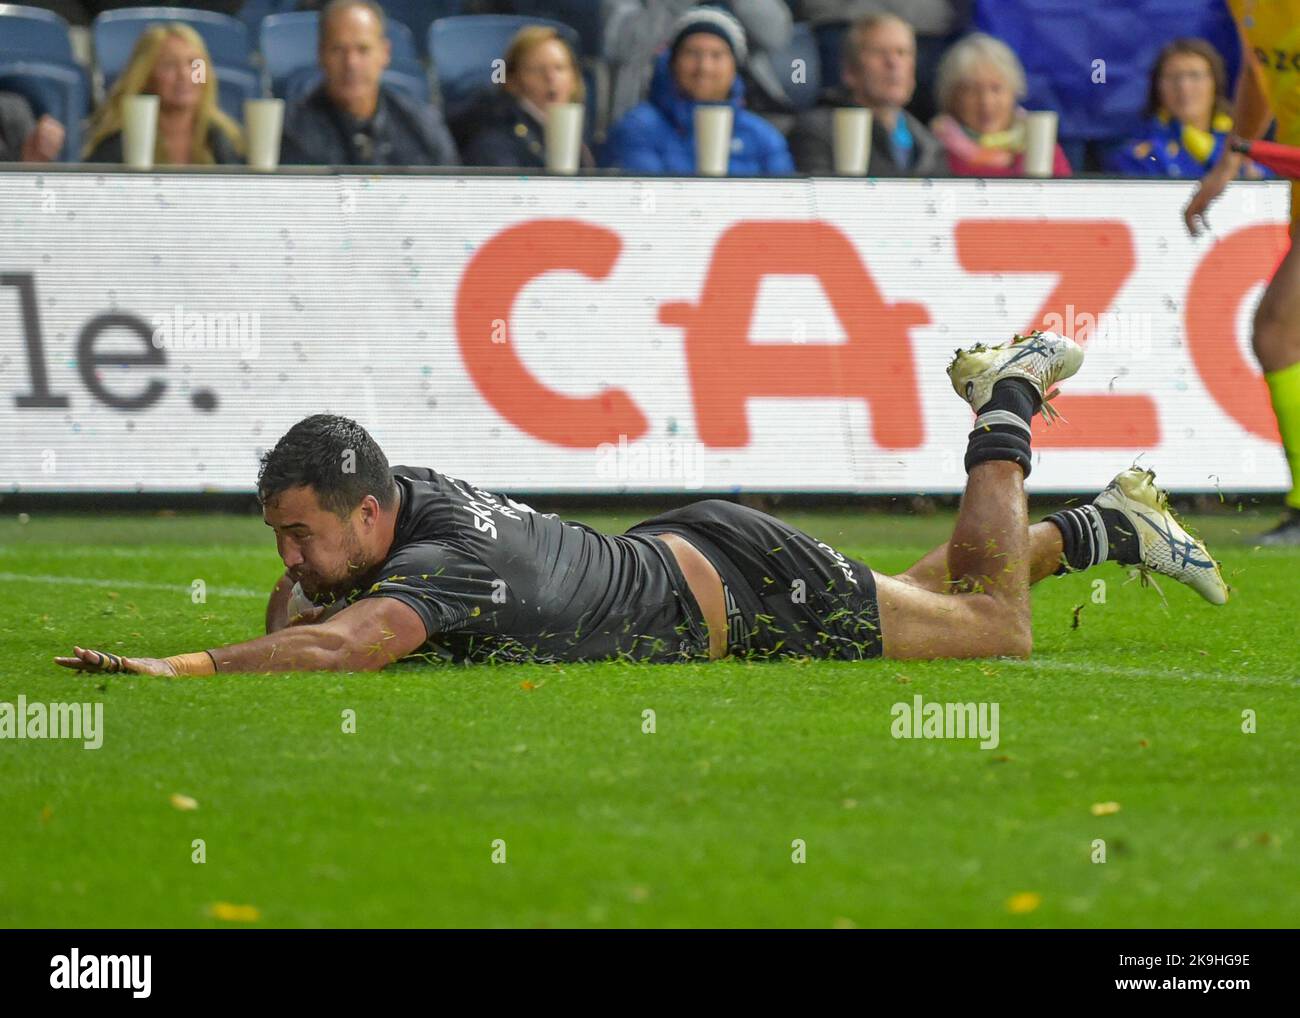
{"x":1251,"y":116}
{"x":365,"y":636}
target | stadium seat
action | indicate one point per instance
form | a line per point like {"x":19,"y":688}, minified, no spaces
{"x":54,"y":89}
{"x":234,"y":86}
{"x":30,"y":33}
{"x":583,"y":16}
{"x":803,"y":46}
{"x":408,"y":79}
{"x":253,"y":11}
{"x":115,"y":33}
{"x":418,"y":15}
{"x":597,"y":85}
{"x":288,"y":43}
{"x":462,"y":50}
{"x":830,"y":50}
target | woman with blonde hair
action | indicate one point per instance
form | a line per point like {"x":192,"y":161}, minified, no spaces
{"x":171,"y":62}
{"x":509,"y":125}
{"x":979,"y":85}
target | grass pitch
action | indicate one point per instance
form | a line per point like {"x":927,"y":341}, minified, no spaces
{"x":1127,"y":728}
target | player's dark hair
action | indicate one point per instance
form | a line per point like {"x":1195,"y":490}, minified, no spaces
{"x":334,"y":456}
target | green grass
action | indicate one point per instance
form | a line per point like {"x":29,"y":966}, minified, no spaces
{"x":693,"y":825}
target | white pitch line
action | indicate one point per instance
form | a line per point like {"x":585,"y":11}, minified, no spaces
{"x":85,"y":581}
{"x":98,"y":551}
{"x":1139,"y":673}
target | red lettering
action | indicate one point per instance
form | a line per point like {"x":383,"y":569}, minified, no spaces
{"x":492,"y":280}
{"x":1218,"y":286}
{"x":727,"y":370}
{"x":1091,"y":259}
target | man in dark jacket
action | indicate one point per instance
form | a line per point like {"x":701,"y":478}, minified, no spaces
{"x":352,"y":119}
{"x":658,"y":136}
{"x":879,"y":72}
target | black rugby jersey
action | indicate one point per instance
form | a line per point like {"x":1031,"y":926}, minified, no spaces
{"x":494,"y":580}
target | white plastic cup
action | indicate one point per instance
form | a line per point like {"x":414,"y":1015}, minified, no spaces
{"x":712,"y":139}
{"x":564,"y":136}
{"x":139,"y":130}
{"x":1040,"y":143}
{"x":852,"y":141}
{"x":263,"y":122}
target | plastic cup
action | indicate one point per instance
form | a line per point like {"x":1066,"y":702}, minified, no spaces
{"x":139,"y":130}
{"x":852,"y":141}
{"x":564,"y":136}
{"x":1040,"y":143}
{"x":264,"y":122}
{"x":712,"y":139}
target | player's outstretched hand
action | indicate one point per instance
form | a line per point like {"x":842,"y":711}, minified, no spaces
{"x":102,"y":661}
{"x":1212,"y":185}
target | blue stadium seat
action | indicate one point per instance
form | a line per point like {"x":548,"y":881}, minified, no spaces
{"x":31,"y":33}
{"x":803,"y":46}
{"x":584,"y":16}
{"x":54,"y":89}
{"x":234,"y":85}
{"x":288,"y":43}
{"x":418,"y":15}
{"x":115,"y":33}
{"x":253,"y":11}
{"x":462,"y":50}
{"x":406,"y":79}
{"x":830,"y":50}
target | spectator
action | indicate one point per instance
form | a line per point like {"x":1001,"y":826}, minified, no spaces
{"x":936,"y":24}
{"x":1189,"y":119}
{"x":879,"y":72}
{"x":24,"y":138}
{"x":981,"y":123}
{"x":637,"y":30}
{"x":509,"y":127}
{"x":191,"y":127}
{"x":352,"y":119}
{"x":658,"y":136}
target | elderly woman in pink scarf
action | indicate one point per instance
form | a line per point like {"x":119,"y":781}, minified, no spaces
{"x":982,"y":126}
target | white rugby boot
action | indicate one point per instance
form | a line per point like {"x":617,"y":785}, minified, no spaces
{"x":1165,"y":547}
{"x":1042,"y":359}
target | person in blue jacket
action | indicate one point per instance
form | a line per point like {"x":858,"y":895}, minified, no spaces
{"x":658,"y":135}
{"x":1189,"y":121}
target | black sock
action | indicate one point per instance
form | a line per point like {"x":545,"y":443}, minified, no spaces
{"x":1014,"y":394}
{"x":1124,"y":547}
{"x":1091,"y":536}
{"x":1002,"y":425}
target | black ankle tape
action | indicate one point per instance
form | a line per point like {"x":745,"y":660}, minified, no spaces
{"x":998,"y":442}
{"x":1015,"y":395}
{"x":1084,"y":540}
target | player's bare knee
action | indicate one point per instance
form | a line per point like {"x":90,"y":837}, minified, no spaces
{"x":1020,"y":641}
{"x":1011,"y":625}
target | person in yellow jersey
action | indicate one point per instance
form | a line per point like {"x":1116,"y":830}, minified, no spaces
{"x":1269,"y":87}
